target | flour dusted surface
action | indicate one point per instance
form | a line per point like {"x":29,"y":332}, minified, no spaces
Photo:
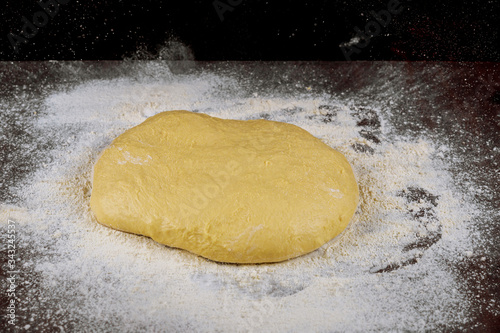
{"x":389,"y":270}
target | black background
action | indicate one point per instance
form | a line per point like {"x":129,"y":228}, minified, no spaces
{"x":253,"y":30}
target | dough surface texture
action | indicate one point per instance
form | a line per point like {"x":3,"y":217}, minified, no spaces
{"x":234,"y":191}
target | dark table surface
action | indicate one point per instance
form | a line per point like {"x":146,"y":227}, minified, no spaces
{"x":457,"y":104}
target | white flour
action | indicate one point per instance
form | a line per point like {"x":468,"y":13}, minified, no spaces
{"x":96,"y":278}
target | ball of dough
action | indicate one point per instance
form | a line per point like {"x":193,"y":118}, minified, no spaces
{"x":232,"y":191}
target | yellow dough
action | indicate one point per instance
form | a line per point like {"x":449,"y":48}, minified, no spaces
{"x":229,"y":190}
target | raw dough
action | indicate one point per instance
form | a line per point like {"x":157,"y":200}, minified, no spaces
{"x":229,"y":190}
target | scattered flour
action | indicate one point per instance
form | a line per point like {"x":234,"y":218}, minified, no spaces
{"x":390,"y":270}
